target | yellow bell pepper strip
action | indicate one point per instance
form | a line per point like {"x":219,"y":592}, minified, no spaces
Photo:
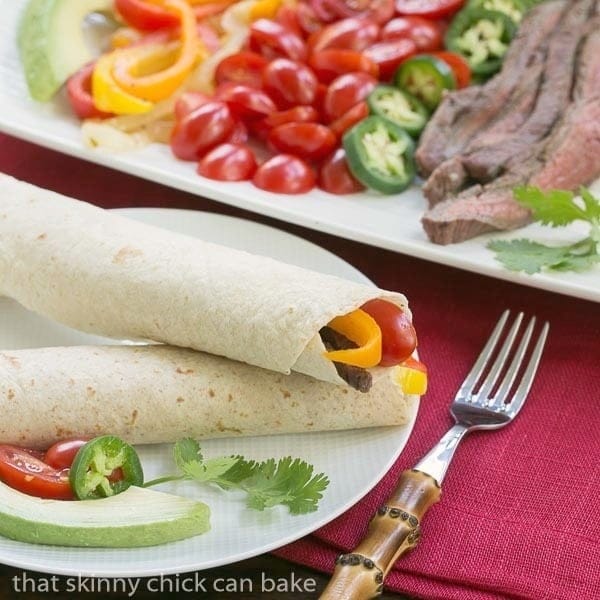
{"x":411,"y":376}
{"x":362,"y":329}
{"x":107,"y":94}
{"x":265,"y":9}
{"x":131,"y":71}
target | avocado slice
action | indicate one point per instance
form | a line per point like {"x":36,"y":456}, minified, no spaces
{"x":52,"y":44}
{"x":137,"y":517}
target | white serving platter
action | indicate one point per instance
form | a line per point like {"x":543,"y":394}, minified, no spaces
{"x":388,"y":222}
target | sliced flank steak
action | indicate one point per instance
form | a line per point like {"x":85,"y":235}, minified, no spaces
{"x":552,"y":100}
{"x":538,"y":101}
{"x":464,"y":113}
{"x":567,"y":158}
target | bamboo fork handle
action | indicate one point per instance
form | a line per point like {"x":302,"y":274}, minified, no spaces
{"x":394,"y":530}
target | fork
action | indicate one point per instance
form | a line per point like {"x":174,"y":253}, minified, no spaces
{"x":480,"y":404}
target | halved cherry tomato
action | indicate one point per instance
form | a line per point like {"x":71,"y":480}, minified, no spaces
{"x":145,"y":15}
{"x":323,"y":10}
{"x":349,"y":34}
{"x":349,"y":8}
{"x":431,"y":9}
{"x":335,"y":177}
{"x":188,"y":102}
{"x":333,"y":62}
{"x":242,"y":67}
{"x":285,"y":174}
{"x":239,"y":134}
{"x":459,"y":65}
{"x":298,"y":114}
{"x":271,"y":39}
{"x":287,"y":16}
{"x":30,"y":475}
{"x":289,"y":83}
{"x":346,"y":91}
{"x":379,"y":11}
{"x":228,"y":162}
{"x":426,"y":34}
{"x":61,"y":454}
{"x":307,"y":19}
{"x":390,"y":54}
{"x":204,"y":128}
{"x":245,"y":101}
{"x":356,"y":114}
{"x":79,"y":92}
{"x":307,"y":140}
{"x":398,"y":336}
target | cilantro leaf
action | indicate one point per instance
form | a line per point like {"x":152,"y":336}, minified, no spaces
{"x":240,"y":469}
{"x":592,"y":205}
{"x":555,"y":208}
{"x":289,"y":481}
{"x":191,"y":463}
{"x":533,"y":257}
{"x":188,"y":457}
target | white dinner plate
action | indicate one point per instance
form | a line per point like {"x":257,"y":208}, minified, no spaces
{"x":387,"y":222}
{"x":354,"y":461}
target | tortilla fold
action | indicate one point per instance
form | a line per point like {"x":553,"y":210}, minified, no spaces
{"x":156,"y":393}
{"x":98,"y":272}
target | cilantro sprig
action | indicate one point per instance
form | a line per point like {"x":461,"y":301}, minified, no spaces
{"x":288,"y":481}
{"x":556,"y":208}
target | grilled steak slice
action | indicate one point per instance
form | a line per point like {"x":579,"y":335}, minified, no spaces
{"x":452,"y":176}
{"x":462,"y":114}
{"x":356,"y":377}
{"x":566,"y":159}
{"x":465,"y":217}
{"x":554,"y":96}
{"x":570,"y":157}
{"x":446,"y":181}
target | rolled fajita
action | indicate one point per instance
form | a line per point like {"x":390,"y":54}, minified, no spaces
{"x":98,"y":272}
{"x":157,"y":393}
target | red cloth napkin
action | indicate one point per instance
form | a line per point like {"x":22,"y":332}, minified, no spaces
{"x":520,"y":509}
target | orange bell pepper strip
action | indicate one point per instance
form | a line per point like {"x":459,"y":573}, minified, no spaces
{"x":411,"y":376}
{"x":131,"y":71}
{"x":363,"y":330}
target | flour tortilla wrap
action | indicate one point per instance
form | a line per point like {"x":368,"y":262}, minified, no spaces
{"x":99,"y":272}
{"x":155,"y":394}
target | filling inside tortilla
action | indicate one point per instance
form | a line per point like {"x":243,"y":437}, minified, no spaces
{"x":379,"y":333}
{"x":356,"y":377}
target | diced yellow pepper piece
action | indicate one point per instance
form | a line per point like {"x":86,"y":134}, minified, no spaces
{"x":411,"y":376}
{"x":363,"y":330}
{"x":107,"y":94}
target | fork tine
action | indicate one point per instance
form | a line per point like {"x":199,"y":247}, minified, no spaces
{"x":492,"y":377}
{"x":481,"y":362}
{"x":511,"y":373}
{"x":521,"y":392}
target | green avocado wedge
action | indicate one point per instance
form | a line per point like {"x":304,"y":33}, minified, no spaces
{"x":52,"y":44}
{"x":137,"y":517}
